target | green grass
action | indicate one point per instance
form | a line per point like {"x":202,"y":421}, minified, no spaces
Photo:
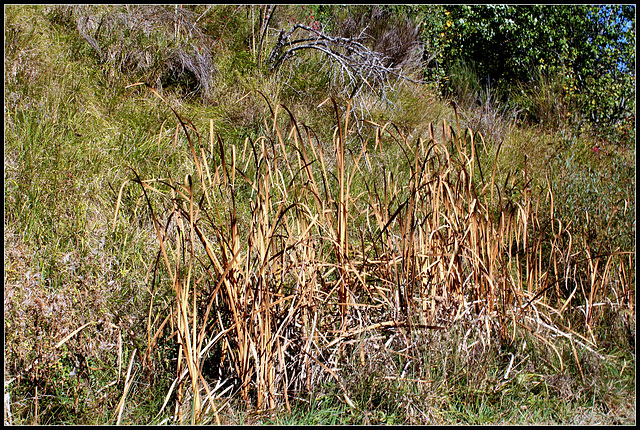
{"x":74,"y":135}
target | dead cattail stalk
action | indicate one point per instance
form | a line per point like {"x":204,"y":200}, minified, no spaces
{"x":327,"y":244}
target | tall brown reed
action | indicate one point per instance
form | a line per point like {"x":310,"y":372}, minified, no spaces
{"x":277,"y":261}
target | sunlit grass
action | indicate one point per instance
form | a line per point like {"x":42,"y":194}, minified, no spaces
{"x":298,"y":250}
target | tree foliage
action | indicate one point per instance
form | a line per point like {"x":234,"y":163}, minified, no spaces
{"x":591,"y":49}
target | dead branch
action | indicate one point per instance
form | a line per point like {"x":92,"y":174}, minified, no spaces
{"x":352,"y":57}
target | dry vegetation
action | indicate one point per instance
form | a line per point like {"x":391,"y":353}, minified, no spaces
{"x":320,"y":268}
{"x":325,"y":266}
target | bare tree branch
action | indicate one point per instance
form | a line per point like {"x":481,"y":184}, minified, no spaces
{"x":355,"y":59}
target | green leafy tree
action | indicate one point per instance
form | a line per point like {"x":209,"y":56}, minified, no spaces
{"x":591,"y":49}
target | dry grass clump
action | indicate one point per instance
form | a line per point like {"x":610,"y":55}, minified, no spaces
{"x":397,"y":38}
{"x":162,"y":44}
{"x":21,"y":65}
{"x":286,"y":253}
{"x":487,"y":115}
{"x":479,"y":104}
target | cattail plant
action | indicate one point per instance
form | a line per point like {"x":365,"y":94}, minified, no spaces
{"x":281,"y":252}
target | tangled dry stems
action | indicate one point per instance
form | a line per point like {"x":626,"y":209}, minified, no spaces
{"x":335,"y":247}
{"x":159,"y":43}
